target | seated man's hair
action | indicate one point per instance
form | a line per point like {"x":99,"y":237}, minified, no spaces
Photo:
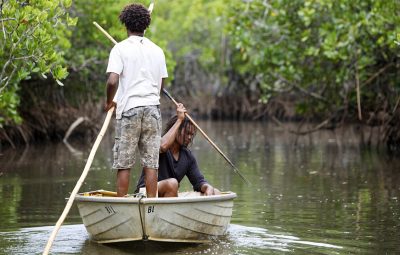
{"x":185,"y":124}
{"x":135,"y":17}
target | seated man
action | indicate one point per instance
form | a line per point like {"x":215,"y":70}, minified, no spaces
{"x":176,"y":160}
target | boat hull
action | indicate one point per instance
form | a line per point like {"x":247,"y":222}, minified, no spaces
{"x":189,"y":217}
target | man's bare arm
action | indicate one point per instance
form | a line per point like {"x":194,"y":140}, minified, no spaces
{"x":112,"y":86}
{"x":168,"y":139}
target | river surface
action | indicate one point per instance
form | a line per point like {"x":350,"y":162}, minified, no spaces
{"x":322,"y":193}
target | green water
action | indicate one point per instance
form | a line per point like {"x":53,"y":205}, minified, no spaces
{"x":317,"y":194}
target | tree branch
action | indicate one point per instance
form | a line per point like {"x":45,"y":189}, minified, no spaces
{"x":14,"y":45}
{"x":1,"y":7}
{"x":4,"y":69}
{"x":311,"y":94}
{"x":316,"y":128}
{"x":358,"y":95}
{"x":2,"y":24}
{"x":8,"y":79}
{"x":376,"y":74}
{"x":397,"y":104}
{"x":311,"y":130}
{"x":6,"y":19}
{"x":25,"y":57}
{"x":87,"y":62}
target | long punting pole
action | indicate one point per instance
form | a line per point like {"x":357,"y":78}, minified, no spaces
{"x":79,"y":183}
{"x":235,"y":169}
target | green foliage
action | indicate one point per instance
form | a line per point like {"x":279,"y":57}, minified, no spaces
{"x":188,"y":32}
{"x":88,"y":56}
{"x":314,"y":47}
{"x":91,"y":48}
{"x":182,"y":28}
{"x":320,"y":47}
{"x":33,"y":40}
{"x":192,"y":30}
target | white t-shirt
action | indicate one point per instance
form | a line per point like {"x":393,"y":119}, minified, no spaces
{"x":141,"y":66}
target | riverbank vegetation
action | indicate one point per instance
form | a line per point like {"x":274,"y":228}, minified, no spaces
{"x":326,"y":62}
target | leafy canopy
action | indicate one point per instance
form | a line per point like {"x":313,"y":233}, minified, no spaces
{"x":322,"y":48}
{"x":33,"y":40}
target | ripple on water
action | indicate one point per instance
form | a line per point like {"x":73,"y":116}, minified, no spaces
{"x":262,"y":241}
{"x":69,"y":240}
{"x":73,"y":239}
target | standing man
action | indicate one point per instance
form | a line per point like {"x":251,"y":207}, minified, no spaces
{"x":137,"y":70}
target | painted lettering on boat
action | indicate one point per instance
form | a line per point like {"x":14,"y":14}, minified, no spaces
{"x":150,"y":209}
{"x":110,"y":209}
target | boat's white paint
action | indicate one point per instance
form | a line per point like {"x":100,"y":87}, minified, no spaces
{"x":189,"y":217}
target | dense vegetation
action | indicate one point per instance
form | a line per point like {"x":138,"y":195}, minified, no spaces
{"x":318,"y":60}
{"x":340,"y":55}
{"x":34,"y":40}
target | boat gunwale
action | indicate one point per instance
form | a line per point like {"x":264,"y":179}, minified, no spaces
{"x":165,"y":200}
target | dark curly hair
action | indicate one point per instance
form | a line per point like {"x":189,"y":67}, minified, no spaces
{"x":186,"y":125}
{"x":135,"y":17}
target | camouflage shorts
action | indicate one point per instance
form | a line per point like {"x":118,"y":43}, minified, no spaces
{"x":139,"y":127}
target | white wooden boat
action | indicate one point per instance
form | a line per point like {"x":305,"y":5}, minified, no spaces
{"x":189,"y":217}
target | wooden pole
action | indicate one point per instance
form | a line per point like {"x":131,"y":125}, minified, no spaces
{"x":105,"y":32}
{"x":235,"y":169}
{"x":79,"y":183}
{"x":88,"y":163}
{"x":208,"y":139}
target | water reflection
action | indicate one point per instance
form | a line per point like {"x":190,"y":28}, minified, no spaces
{"x":317,"y":194}
{"x":73,"y":239}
